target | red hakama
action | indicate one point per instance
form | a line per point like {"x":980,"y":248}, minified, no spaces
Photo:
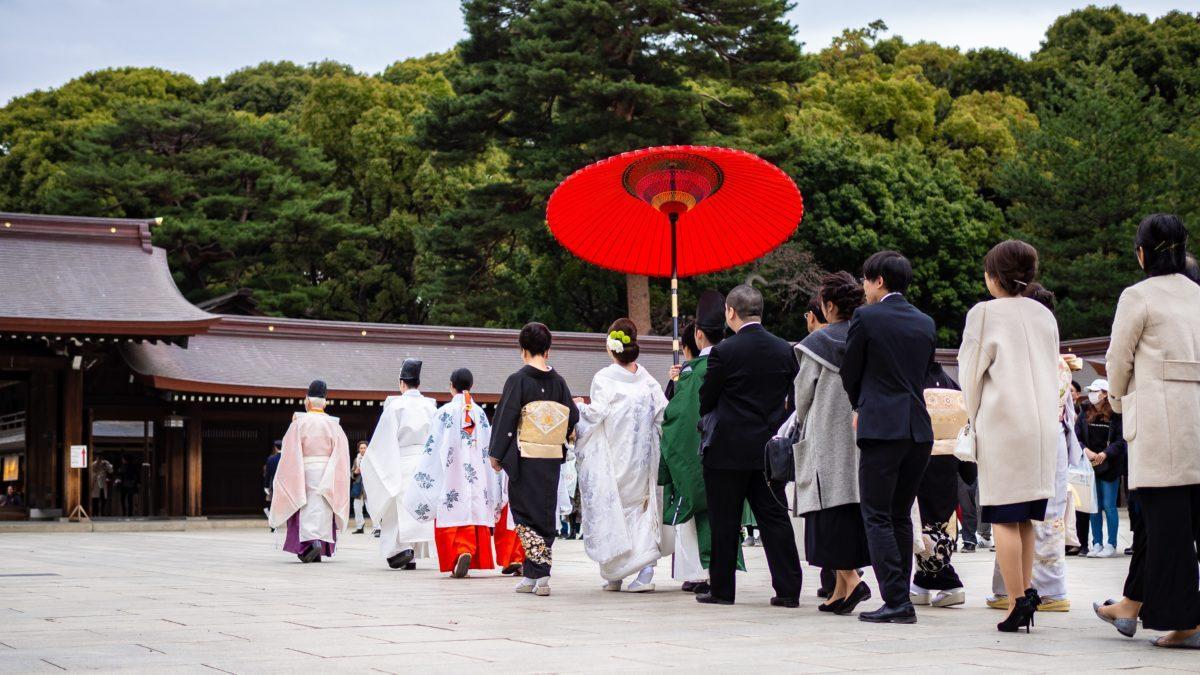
{"x":508,"y":546}
{"x":454,"y":541}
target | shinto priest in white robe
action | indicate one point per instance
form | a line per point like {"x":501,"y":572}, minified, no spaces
{"x":388,"y":469}
{"x":617,"y":454}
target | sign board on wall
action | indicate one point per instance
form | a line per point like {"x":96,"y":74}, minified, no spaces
{"x":78,"y":456}
{"x":12,"y":468}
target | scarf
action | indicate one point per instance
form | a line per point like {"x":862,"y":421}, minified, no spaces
{"x":828,"y":345}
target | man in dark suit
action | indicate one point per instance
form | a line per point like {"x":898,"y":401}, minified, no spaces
{"x":889,"y":349}
{"x":745,"y":392}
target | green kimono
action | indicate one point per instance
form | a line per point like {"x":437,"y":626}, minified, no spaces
{"x":680,"y":472}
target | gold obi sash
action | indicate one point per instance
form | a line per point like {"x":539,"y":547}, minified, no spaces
{"x":948,"y":413}
{"x":543,"y":430}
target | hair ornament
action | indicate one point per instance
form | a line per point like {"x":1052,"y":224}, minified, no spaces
{"x":1020,"y":283}
{"x":616,"y":341}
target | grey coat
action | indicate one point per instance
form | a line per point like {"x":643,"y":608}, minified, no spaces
{"x":826,"y":456}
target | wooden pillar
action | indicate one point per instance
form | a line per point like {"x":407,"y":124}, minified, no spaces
{"x":169,"y":445}
{"x":194,"y":467}
{"x":72,"y":415}
{"x":41,"y":440}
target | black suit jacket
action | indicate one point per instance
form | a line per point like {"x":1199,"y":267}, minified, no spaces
{"x":748,"y":383}
{"x":888,"y":352}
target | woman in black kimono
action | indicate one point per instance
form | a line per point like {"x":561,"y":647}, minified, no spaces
{"x":534,"y":419}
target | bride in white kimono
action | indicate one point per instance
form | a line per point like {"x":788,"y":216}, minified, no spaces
{"x":617,"y":452}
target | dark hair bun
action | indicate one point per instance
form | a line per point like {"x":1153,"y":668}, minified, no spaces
{"x":535,"y":338}
{"x":629,"y":350}
{"x":841,"y":289}
{"x":1013,"y":266}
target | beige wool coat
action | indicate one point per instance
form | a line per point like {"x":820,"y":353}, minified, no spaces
{"x":1154,"y":379}
{"x":1008,"y":370}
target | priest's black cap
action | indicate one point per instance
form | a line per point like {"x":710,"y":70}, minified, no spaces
{"x":317,"y":389}
{"x":710,"y":311}
{"x":411,"y":370}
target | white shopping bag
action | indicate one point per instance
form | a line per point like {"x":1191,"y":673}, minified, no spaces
{"x":1081,"y":481}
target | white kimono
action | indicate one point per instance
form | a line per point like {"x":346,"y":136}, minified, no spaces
{"x":617,"y":453}
{"x":387,"y":471}
{"x":454,"y":482}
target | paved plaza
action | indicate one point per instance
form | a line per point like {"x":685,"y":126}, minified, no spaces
{"x":225,"y":600}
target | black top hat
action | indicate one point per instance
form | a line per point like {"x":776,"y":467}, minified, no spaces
{"x":710,"y":311}
{"x":317,"y":389}
{"x":411,"y":370}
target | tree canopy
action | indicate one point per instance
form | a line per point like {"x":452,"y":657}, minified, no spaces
{"x":418,"y":194}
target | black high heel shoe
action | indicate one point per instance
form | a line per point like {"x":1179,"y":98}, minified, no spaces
{"x":1021,"y":617}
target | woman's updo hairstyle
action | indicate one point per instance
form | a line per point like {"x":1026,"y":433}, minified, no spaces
{"x":1163,"y":240}
{"x":1013,"y":266}
{"x":629,"y":350}
{"x":843,"y":292}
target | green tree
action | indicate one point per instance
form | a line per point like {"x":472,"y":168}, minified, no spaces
{"x":36,"y":130}
{"x":863,"y":195}
{"x":554,"y":85}
{"x":1079,"y":185}
{"x":246,"y":202}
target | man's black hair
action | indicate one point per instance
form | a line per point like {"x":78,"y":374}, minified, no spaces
{"x":893,"y":268}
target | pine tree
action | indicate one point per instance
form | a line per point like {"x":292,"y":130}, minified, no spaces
{"x":555,"y":85}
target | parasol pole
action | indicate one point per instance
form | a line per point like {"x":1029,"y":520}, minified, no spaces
{"x":674,"y":293}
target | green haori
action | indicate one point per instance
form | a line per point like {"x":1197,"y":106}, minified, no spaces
{"x":680,"y":472}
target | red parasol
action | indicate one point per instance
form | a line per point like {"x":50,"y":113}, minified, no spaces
{"x":675,"y":211}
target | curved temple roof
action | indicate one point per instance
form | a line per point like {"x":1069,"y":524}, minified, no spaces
{"x":266,"y":356}
{"x":97,"y":276}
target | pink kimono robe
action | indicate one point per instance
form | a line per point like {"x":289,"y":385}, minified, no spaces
{"x":311,"y":492}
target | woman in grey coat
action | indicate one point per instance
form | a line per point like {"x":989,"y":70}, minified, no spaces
{"x":826,"y":455}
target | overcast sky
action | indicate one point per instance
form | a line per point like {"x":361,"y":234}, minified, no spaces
{"x":44,"y":43}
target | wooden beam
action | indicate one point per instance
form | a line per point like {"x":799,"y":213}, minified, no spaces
{"x":72,"y":416}
{"x":193,"y":455}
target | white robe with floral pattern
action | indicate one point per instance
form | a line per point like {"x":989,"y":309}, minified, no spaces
{"x":454,"y":483}
{"x":617,"y":454}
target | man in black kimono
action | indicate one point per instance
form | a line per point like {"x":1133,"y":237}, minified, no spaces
{"x":534,"y":419}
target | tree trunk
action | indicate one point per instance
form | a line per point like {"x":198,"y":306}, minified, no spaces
{"x":637,"y":294}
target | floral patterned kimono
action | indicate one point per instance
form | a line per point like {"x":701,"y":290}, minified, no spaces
{"x":618,"y":454}
{"x":454,"y":486}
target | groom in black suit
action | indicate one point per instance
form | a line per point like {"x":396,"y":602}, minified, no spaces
{"x":743,"y":402}
{"x":888,"y":352}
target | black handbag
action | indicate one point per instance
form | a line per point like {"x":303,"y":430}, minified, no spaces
{"x":779,"y":461}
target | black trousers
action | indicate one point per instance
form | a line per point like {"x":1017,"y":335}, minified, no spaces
{"x":1083,"y":525}
{"x":1171,"y":518}
{"x":127,"y":500}
{"x":1134,"y":580}
{"x":889,"y":474}
{"x":728,"y":490}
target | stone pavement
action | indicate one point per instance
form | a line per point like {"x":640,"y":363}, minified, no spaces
{"x":225,"y":600}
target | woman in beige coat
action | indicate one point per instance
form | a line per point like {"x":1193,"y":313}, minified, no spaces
{"x":1007,"y":368}
{"x":1154,"y":381}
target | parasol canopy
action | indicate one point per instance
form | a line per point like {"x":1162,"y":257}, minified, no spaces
{"x":713,"y":208}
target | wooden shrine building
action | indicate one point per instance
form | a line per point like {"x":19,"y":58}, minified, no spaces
{"x":98,"y":348}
